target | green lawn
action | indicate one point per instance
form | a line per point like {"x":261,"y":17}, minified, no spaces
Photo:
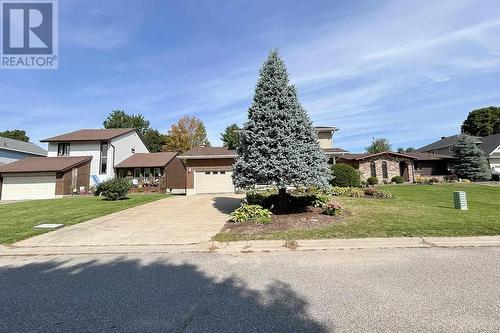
{"x":417,"y":210}
{"x":17,"y":219}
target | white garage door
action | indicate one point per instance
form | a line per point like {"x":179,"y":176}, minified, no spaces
{"x":28,"y":187}
{"x":213,"y":182}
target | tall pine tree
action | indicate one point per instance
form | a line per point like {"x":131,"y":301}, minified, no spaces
{"x":471,"y":162}
{"x":279,"y":145}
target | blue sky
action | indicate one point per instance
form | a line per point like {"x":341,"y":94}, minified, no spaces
{"x":409,"y":71}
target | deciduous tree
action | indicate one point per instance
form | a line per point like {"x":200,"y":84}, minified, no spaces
{"x":378,"y":145}
{"x":189,"y":132}
{"x":482,"y":122}
{"x":16,"y":134}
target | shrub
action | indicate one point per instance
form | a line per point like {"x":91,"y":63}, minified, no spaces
{"x":332,"y":208}
{"x":421,"y":180}
{"x":339,"y":191}
{"x":114,"y":189}
{"x":465,"y":181}
{"x":433,"y":180}
{"x":355,"y":192}
{"x":261,"y":198}
{"x":398,"y":179}
{"x":372,"y":180}
{"x":382,"y":195}
{"x":370,"y":190}
{"x":345,"y":175}
{"x":451,"y":178}
{"x":318,"y":200}
{"x":251,"y":213}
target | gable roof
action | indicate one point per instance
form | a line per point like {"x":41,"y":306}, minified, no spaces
{"x":326,"y":128}
{"x":333,"y":151}
{"x":444,"y":142}
{"x":90,"y":135}
{"x":208,"y":152}
{"x":21,"y":146}
{"x":490,"y":143}
{"x":44,"y":164}
{"x":147,"y":160}
{"x":357,"y":157}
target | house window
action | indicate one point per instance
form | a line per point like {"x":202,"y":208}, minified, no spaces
{"x":104,"y":158}
{"x":215,"y":172}
{"x":147,"y":172}
{"x":223,"y":172}
{"x":384,"y":170}
{"x":63,"y":149}
{"x":157,"y":172}
{"x":373,"y":170}
{"x":133,"y":150}
{"x":137,"y":173}
{"x":207,"y":172}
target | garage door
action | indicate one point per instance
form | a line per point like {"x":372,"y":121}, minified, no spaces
{"x":213,"y":182}
{"x":28,"y":187}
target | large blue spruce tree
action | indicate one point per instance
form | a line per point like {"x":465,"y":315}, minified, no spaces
{"x":278,"y":144}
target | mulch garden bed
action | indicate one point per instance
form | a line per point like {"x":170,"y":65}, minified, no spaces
{"x":310,"y":218}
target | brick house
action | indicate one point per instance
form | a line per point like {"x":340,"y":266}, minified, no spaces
{"x":383,"y":165}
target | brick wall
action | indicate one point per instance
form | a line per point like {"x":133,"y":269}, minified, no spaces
{"x":393,"y":169}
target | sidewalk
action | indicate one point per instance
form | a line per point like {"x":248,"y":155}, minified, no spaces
{"x":259,"y":246}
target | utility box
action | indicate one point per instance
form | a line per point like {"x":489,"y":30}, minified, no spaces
{"x":460,"y":200}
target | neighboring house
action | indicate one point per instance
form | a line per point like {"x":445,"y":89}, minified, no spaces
{"x":44,"y":177}
{"x":107,"y":147}
{"x":490,"y":145}
{"x":325,"y":136}
{"x":14,"y":150}
{"x":146,"y":168}
{"x":432,"y":165}
{"x":383,"y":165}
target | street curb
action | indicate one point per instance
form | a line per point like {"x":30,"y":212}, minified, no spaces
{"x":259,"y":246}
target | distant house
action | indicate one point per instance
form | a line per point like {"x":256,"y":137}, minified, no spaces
{"x":490,"y":145}
{"x":14,"y":150}
{"x":325,"y":136}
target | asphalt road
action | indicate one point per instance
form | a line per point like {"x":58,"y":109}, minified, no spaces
{"x":391,"y":290}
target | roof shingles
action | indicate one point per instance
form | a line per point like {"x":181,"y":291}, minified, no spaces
{"x":44,"y":164}
{"x":90,"y":135}
{"x":147,"y":160}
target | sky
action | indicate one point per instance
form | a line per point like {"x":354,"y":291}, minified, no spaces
{"x":409,"y":71}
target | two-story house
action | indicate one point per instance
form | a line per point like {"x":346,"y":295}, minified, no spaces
{"x":76,"y":161}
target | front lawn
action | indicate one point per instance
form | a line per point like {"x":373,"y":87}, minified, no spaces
{"x":416,"y":210}
{"x":17,"y":219}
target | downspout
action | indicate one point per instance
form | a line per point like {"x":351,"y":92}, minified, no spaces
{"x":114,"y":151}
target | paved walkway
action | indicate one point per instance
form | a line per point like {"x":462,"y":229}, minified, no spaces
{"x":176,"y":220}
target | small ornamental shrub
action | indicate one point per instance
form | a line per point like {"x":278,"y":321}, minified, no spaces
{"x":465,"y":181}
{"x":114,"y":189}
{"x":355,"y":193}
{"x":261,"y":198}
{"x":370,"y":190}
{"x":339,"y":191}
{"x":433,"y":180}
{"x":251,"y":213}
{"x":372,"y":180}
{"x":451,"y":178}
{"x":421,"y":180}
{"x":398,"y":179}
{"x":345,"y":175}
{"x":332,"y":208}
{"x":382,"y":195}
{"x":318,"y":200}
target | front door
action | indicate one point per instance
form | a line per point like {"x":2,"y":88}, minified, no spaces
{"x":403,"y":171}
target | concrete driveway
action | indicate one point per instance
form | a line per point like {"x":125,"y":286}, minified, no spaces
{"x":175,"y":220}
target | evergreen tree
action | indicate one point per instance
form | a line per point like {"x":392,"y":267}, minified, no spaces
{"x":230,"y":137}
{"x":278,"y":144}
{"x":471,"y":162}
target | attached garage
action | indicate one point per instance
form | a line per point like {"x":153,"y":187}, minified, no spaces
{"x":208,"y":170}
{"x":44,"y":177}
{"x":29,"y":186}
{"x":213,"y":181}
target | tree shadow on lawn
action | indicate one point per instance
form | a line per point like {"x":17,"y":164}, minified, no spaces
{"x":126,"y":295}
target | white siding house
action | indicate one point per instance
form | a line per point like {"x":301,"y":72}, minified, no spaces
{"x":108,"y":147}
